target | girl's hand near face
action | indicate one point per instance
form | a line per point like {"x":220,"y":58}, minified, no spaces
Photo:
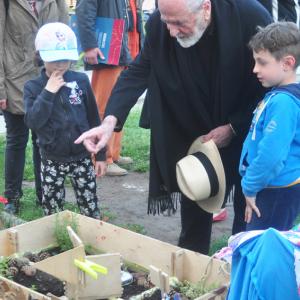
{"x":55,"y":82}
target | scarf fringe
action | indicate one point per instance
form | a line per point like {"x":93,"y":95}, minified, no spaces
{"x":230,"y":196}
{"x":161,"y":204}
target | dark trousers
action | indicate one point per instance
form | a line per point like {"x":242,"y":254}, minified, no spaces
{"x":196,"y":225}
{"x":279,"y":208}
{"x":239,"y":206}
{"x":17,"y":134}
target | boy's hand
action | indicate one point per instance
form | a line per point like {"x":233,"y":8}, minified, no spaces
{"x":250,"y":206}
{"x":55,"y":82}
{"x":100,"y":168}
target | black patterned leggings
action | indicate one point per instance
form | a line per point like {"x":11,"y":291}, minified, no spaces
{"x":83,"y":180}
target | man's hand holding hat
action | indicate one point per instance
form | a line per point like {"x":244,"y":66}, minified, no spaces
{"x":221,"y":136}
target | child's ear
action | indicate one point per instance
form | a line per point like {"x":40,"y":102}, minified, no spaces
{"x":289,"y":62}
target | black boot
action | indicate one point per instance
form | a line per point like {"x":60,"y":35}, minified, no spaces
{"x":13,"y":206}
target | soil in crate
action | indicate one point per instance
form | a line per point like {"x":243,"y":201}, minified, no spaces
{"x":21,"y":270}
{"x":42,"y":283}
{"x":134,"y":289}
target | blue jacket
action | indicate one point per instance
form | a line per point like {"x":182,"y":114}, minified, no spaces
{"x":263,"y":268}
{"x":271,"y":151}
{"x":58,"y":119}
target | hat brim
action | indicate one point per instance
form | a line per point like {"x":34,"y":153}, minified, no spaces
{"x":210,"y":149}
{"x":55,"y":55}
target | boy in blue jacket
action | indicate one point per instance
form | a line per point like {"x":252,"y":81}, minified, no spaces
{"x":270,"y":160}
{"x":59,"y":106}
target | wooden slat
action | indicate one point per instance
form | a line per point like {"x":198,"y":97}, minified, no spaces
{"x":75,"y":239}
{"x":62,"y":265}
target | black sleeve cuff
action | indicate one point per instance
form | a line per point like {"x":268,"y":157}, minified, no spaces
{"x":101,"y":155}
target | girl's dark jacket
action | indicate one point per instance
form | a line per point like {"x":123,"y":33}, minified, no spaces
{"x":88,"y":10}
{"x":58,"y":119}
{"x":175,"y":111}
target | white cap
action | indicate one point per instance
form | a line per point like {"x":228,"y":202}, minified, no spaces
{"x":56,"y":41}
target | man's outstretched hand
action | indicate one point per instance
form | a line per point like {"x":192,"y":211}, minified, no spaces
{"x":96,"y":138}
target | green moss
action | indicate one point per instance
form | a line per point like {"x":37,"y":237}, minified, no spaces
{"x":60,"y":231}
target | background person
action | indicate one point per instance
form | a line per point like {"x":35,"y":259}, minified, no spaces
{"x":283,"y":10}
{"x":105,"y":76}
{"x":59,"y":105}
{"x":270,"y":160}
{"x":19,"y":23}
{"x":148,"y":8}
{"x":198,"y":70}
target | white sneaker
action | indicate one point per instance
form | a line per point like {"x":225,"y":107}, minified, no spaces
{"x":124,"y":160}
{"x":114,"y":170}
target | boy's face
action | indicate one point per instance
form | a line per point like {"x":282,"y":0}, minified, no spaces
{"x":61,"y":66}
{"x":271,"y":72}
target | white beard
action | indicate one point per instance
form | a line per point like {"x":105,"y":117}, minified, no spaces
{"x":187,"y":42}
{"x":190,"y":41}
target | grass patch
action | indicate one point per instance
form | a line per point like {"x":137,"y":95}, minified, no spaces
{"x":136,"y":142}
{"x":218,"y":244}
{"x":28,"y":209}
{"x":28,"y":170}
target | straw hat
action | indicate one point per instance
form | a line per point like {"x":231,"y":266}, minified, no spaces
{"x":201,"y":177}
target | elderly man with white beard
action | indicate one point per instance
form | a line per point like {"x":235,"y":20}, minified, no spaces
{"x":197,"y":68}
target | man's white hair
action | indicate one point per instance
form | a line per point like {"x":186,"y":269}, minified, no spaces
{"x":193,"y":5}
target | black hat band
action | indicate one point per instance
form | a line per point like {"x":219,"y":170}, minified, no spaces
{"x":211,"y":172}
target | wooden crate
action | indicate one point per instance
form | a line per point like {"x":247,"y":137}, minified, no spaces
{"x":162,"y":259}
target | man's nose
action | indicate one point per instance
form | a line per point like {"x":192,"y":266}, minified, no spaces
{"x":173,"y":30}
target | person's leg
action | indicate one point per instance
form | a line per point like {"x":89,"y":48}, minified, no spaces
{"x":16,"y":140}
{"x":239,"y":205}
{"x":83,"y":180}
{"x":279,"y":207}
{"x":102,"y":83}
{"x":52,"y":178}
{"x":36,"y":157}
{"x":196,"y":225}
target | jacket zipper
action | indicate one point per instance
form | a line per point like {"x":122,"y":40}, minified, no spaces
{"x":66,"y":113}
{"x":126,"y":13}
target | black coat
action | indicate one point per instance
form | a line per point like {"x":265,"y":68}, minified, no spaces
{"x":174,"y":108}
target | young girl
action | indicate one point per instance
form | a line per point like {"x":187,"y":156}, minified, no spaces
{"x":59,"y":106}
